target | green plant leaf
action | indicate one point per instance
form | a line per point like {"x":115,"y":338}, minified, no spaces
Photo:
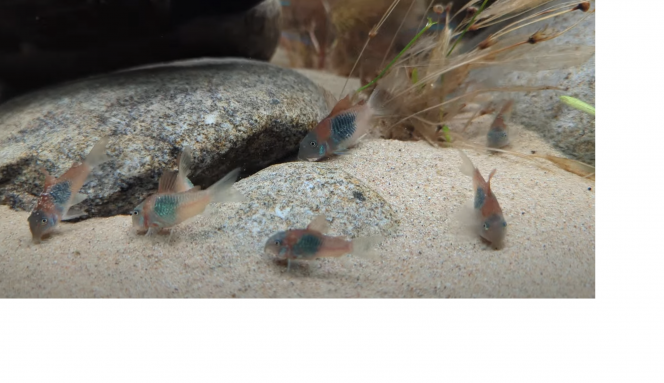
{"x":578,"y":104}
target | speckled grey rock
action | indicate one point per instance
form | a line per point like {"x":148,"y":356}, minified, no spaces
{"x":570,"y":130}
{"x":290,"y":195}
{"x":232,"y":112}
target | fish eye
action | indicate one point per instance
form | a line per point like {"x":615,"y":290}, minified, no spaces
{"x":134,"y":212}
{"x":486,"y":226}
{"x":277,"y":242}
{"x":313,"y":144}
{"x":44,"y":221}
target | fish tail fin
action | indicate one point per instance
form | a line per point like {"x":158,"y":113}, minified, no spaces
{"x":379,"y":100}
{"x":365,"y":247}
{"x":223,"y":190}
{"x":466,"y":222}
{"x":184,"y":162}
{"x":97,"y":155}
{"x":467,"y":166}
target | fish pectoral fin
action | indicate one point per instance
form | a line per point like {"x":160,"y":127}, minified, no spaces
{"x":319,"y":223}
{"x":78,"y":198}
{"x":152,"y":231}
{"x":73,"y":213}
{"x":341,"y":152}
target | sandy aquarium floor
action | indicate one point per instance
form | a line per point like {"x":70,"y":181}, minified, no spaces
{"x":550,"y":249}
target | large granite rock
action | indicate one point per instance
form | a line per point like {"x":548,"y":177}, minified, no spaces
{"x":46,"y":42}
{"x":290,"y":195}
{"x":232,"y":112}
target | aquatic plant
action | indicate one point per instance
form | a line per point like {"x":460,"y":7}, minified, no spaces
{"x":329,"y":34}
{"x":429,"y":79}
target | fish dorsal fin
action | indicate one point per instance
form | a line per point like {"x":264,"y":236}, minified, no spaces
{"x":194,"y":189}
{"x":330,"y":99}
{"x":319,"y":223}
{"x":167,"y":182}
{"x":49,"y":180}
{"x":341,"y":106}
{"x":185,"y":161}
{"x":488,"y":181}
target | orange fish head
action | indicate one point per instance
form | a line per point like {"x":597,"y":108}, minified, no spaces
{"x":493,"y":230}
{"x":41,"y":223}
{"x":314,"y":145}
{"x":276,"y":245}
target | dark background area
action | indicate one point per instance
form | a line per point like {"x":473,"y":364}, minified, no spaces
{"x":43,"y":42}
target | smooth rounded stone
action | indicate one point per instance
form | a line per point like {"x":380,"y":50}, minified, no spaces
{"x":290,"y":195}
{"x":48,"y":42}
{"x":570,"y":130}
{"x":232,"y":112}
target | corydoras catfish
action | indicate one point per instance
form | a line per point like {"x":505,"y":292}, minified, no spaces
{"x":170,"y":182}
{"x":486,"y":217}
{"x":343,"y":128}
{"x":498,"y":135}
{"x":312,"y":243}
{"x":60,"y":194}
{"x":164,"y":210}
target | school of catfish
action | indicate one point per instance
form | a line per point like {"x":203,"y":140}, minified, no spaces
{"x":177,"y":199}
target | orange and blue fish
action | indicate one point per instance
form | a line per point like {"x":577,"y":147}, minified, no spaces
{"x":170,"y":182}
{"x":498,"y":135}
{"x":343,"y":128}
{"x":60,"y":194}
{"x":487,"y":217}
{"x":312,"y":243}
{"x":167,"y":208}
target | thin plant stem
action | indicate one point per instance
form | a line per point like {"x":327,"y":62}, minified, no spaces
{"x":373,"y":32}
{"x":430,"y":24}
{"x":387,"y":52}
{"x":470,"y":24}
